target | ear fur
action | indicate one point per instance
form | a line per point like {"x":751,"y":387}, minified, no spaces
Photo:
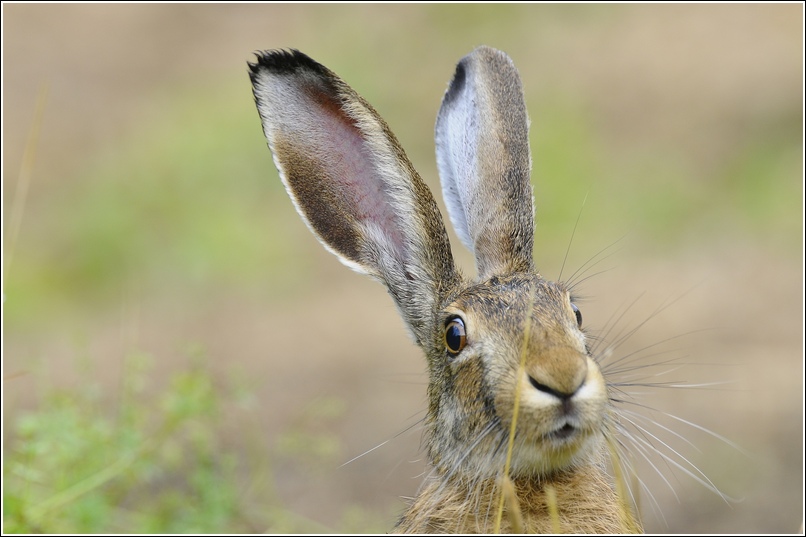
{"x":482,"y":138}
{"x":352,"y":183}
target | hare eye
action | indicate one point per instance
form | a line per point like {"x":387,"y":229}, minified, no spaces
{"x":455,"y":337}
{"x":578,"y":314}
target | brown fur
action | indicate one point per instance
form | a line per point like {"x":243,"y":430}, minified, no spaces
{"x":525,"y":354}
{"x":586,"y":503}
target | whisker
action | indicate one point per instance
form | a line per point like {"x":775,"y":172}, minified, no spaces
{"x":641,"y":445}
{"x":644,"y":419}
{"x":624,"y":455}
{"x":699,"y":476}
{"x":705,"y":430}
{"x":615,"y":318}
{"x":573,"y":285}
{"x":708,"y":385}
{"x":641,"y":451}
{"x":632,"y":354}
{"x":407,"y":429}
{"x":666,"y":304}
{"x":590,"y":262}
{"x":571,"y":241}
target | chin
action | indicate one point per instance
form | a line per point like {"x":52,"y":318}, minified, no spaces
{"x":551,"y":455}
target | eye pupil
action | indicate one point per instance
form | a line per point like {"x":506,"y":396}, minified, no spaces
{"x":577,"y":313}
{"x":455,"y":337}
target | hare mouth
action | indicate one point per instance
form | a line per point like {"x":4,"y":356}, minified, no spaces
{"x":564,"y":432}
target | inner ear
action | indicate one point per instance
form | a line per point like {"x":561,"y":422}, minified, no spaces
{"x":335,"y":178}
{"x":482,"y":137}
{"x":353,"y":184}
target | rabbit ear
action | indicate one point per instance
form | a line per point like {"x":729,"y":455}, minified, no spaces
{"x":351,"y":181}
{"x":482,"y":137}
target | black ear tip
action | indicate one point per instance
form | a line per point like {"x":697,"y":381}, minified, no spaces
{"x":282,"y":61}
{"x":457,"y":83}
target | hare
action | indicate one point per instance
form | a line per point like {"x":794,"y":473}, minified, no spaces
{"x":518,"y":412}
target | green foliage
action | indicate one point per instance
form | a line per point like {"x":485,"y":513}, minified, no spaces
{"x":76,"y":468}
{"x":150,"y":464}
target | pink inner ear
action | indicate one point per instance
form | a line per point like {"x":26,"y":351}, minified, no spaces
{"x":339,"y":146}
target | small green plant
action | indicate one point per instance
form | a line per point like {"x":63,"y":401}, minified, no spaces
{"x":152,"y":464}
{"x":85,"y":461}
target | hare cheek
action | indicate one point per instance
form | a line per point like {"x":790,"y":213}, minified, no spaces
{"x":593,"y":393}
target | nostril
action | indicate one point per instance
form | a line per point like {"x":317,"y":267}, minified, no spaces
{"x":548,"y":389}
{"x":539,"y":386}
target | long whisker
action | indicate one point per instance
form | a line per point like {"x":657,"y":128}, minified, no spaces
{"x":666,"y":304}
{"x":593,"y":261}
{"x":634,"y":418}
{"x":634,"y":355}
{"x":691,"y":424}
{"x":641,"y":450}
{"x":407,"y":429}
{"x":695,"y":473}
{"x":625,"y":452}
{"x":574,"y":284}
{"x":612,"y":322}
{"x":571,"y":241}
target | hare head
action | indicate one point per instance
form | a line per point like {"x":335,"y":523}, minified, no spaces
{"x":510,"y":375}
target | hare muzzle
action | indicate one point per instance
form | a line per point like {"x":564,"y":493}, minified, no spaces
{"x":561,"y":375}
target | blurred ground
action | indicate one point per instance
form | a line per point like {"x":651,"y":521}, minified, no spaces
{"x":154,"y":220}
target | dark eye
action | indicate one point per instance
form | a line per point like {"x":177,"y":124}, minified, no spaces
{"x":455,"y":337}
{"x":578,"y":314}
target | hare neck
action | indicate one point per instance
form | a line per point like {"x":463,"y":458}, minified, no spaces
{"x":580,"y":500}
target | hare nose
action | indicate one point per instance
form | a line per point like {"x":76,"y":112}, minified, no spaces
{"x":545,"y":388}
{"x":562,"y":374}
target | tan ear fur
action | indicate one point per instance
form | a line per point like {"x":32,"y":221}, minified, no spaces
{"x":482,"y":137}
{"x":351,"y":181}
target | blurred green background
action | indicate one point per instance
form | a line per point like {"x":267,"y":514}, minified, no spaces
{"x":180,"y":355}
